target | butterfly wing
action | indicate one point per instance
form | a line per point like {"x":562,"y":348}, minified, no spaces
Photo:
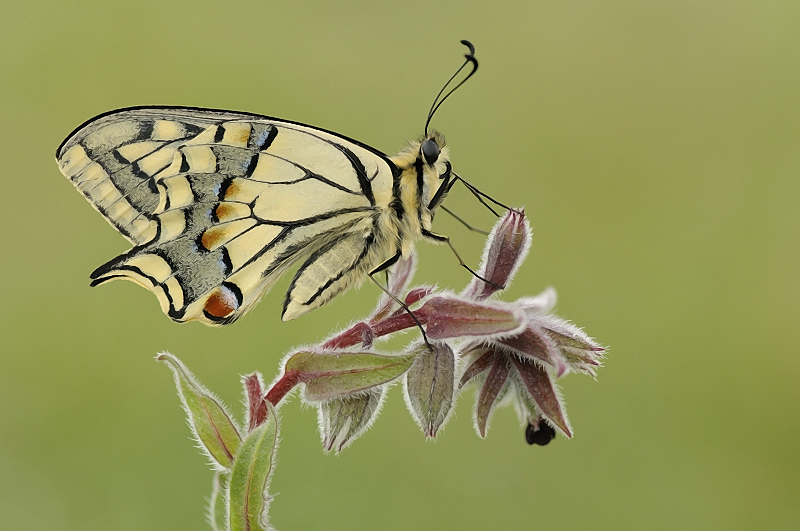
{"x":219,"y":204}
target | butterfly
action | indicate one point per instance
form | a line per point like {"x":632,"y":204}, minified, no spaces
{"x":218,"y":204}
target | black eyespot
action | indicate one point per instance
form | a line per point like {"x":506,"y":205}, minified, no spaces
{"x":430,"y":150}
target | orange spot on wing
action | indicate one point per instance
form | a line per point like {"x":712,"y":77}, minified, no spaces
{"x":221,"y":303}
{"x":213,"y":237}
{"x":242,"y":135}
{"x":232,"y":190}
{"x":225,"y":212}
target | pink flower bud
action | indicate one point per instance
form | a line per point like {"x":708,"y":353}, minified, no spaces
{"x":506,"y":248}
{"x":256,"y":405}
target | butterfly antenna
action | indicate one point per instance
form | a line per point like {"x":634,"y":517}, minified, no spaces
{"x":480,"y":195}
{"x":470,"y":60}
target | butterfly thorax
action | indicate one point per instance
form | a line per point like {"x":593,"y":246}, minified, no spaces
{"x":415,"y":187}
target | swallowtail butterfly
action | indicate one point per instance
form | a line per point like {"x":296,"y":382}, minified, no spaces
{"x":219,"y":204}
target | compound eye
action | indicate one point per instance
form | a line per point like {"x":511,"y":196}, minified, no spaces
{"x":430,"y":151}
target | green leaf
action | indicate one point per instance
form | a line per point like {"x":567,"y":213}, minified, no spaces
{"x":211,"y":424}
{"x":252,"y":470}
{"x":329,"y":374}
{"x":217,"y":506}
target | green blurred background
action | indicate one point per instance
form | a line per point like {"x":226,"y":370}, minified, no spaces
{"x":656,"y":147}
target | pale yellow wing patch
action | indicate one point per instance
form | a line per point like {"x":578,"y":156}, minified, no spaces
{"x":220,"y":204}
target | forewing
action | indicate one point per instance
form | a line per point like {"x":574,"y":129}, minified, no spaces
{"x":220,"y":204}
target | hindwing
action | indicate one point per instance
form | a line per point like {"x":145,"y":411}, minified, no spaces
{"x":219,"y":204}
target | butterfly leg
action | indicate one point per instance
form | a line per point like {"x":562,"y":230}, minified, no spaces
{"x":446,"y":239}
{"x":384,"y":267}
{"x":460,"y":220}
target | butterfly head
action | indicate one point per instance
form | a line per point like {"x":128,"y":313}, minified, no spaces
{"x":431,"y":150}
{"x":425,"y":176}
{"x":434,"y":159}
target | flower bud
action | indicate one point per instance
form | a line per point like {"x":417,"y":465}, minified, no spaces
{"x":330,"y":374}
{"x":212,"y":425}
{"x":448,"y":317}
{"x":256,"y":404}
{"x":506,"y":248}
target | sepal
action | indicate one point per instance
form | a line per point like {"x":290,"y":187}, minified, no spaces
{"x":491,"y":392}
{"x":430,"y":386}
{"x":343,"y":419}
{"x":539,"y":387}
